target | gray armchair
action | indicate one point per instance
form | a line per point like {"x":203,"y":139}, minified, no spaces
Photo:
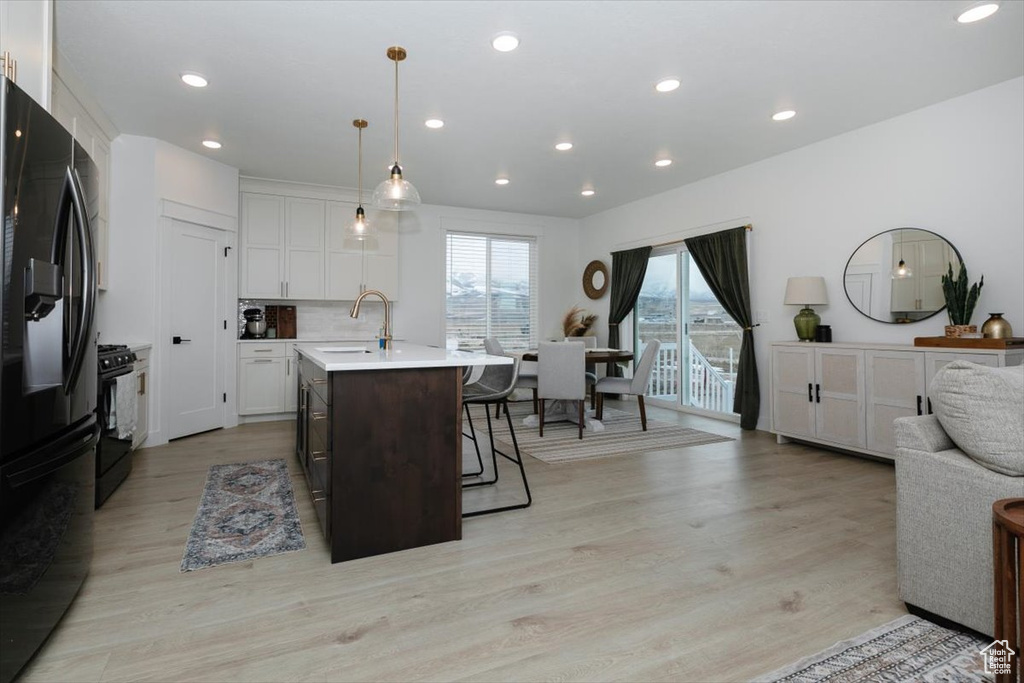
{"x":635,"y":385}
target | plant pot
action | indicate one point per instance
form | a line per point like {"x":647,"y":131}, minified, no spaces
{"x":956,"y":331}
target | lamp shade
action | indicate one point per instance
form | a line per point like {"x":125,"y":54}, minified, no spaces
{"x":806,"y":291}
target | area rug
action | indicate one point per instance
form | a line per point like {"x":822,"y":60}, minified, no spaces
{"x":561,"y":443}
{"x":247,"y":511}
{"x":907,"y":649}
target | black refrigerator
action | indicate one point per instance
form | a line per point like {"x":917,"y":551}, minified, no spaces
{"x":48,"y":374}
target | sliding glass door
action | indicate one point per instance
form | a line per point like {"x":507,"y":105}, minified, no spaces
{"x":700,"y":343}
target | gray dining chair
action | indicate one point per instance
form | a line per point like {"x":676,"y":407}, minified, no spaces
{"x":560,"y":376}
{"x":635,"y":385}
{"x":527,"y":380}
{"x":494,"y":387}
{"x":591,"y":369}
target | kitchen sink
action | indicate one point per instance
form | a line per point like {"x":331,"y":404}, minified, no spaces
{"x":342,"y":349}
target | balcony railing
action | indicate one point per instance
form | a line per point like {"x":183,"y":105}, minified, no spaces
{"x":710,"y":387}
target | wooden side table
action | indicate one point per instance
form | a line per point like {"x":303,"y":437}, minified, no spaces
{"x":1007,"y":552}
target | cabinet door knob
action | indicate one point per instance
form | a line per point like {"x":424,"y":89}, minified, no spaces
{"x":810,"y":392}
{"x":918,"y":404}
{"x":817,"y":393}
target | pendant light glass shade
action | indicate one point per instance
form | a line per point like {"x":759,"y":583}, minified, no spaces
{"x":902,"y":271}
{"x":360,"y":229}
{"x":396,"y":193}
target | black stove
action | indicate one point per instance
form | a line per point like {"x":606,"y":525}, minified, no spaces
{"x":114,"y":360}
{"x":113,"y":453}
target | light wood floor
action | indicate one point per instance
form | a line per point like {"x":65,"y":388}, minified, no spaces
{"x":710,"y":563}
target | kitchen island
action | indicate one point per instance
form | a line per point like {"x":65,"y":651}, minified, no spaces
{"x":379,"y":437}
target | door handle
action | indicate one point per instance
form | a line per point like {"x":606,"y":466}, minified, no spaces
{"x":929,"y":406}
{"x":817,"y":393}
{"x":179,"y":340}
{"x":919,"y":404}
{"x":810,"y":392}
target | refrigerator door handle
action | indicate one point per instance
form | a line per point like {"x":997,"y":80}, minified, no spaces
{"x":72,"y":204}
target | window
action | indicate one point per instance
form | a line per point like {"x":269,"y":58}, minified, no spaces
{"x":490,"y":291}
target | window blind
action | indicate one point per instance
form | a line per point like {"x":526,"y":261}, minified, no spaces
{"x":490,"y":291}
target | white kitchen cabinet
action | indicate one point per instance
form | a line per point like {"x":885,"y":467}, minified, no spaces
{"x":355,"y":266}
{"x":291,"y":378}
{"x":261,"y":268}
{"x":143,"y":386}
{"x":26,"y":35}
{"x":267,"y":378}
{"x":304,"y":248}
{"x":928,"y":260}
{"x":847,"y":396}
{"x":260,"y":386}
{"x":70,"y":112}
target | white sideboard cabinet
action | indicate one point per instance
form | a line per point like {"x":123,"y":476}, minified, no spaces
{"x":847,"y":395}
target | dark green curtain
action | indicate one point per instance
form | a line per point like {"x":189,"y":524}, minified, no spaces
{"x":628,"y":270}
{"x":722,"y":260}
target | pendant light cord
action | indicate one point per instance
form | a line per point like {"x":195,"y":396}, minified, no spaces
{"x":360,"y":191}
{"x":396,"y":111}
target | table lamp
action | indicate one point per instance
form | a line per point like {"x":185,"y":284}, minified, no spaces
{"x":806,"y":292}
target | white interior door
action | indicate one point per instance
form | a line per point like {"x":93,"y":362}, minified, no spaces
{"x":194,"y":291}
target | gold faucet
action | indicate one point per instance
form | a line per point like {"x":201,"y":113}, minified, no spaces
{"x":354,"y":313}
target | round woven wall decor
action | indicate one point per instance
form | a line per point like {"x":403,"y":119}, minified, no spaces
{"x":595,"y":279}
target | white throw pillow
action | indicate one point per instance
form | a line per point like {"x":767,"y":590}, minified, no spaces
{"x":982,"y":411}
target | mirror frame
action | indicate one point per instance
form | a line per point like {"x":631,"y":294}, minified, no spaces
{"x":592,"y":269}
{"x":879,"y":234}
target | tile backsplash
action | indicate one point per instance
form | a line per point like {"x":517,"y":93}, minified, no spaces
{"x":326,"y":319}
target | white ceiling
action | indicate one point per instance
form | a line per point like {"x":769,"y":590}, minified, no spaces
{"x":287,"y":78}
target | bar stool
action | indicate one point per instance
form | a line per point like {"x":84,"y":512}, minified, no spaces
{"x":493,"y":388}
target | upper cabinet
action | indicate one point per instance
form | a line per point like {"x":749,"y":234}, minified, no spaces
{"x":26,"y":39}
{"x":77,"y":119}
{"x":296,"y":248}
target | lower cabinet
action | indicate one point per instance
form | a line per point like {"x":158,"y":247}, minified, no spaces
{"x":848,"y":395}
{"x":267,"y":378}
{"x":143,"y":388}
{"x":313,"y":436}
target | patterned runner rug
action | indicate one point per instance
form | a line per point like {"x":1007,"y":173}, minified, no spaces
{"x":622,"y":435}
{"x":908,"y":649}
{"x":247,"y":511}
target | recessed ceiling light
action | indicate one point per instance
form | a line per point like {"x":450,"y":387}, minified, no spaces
{"x":563,"y":146}
{"x":667,"y":85}
{"x":212,"y":144}
{"x":505,"y":42}
{"x":194,"y":79}
{"x":978,"y":12}
{"x":662,"y":163}
{"x":587,"y":193}
{"x":434,"y":123}
{"x":501,"y":181}
{"x":783,"y":115}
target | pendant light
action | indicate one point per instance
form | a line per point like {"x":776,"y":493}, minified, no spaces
{"x":902,"y":271}
{"x":396,"y":193}
{"x":360,"y":229}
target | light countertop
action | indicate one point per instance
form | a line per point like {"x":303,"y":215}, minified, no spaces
{"x":402,"y":356}
{"x":308,"y":341}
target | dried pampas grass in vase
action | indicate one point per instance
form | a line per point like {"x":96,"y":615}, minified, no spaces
{"x":577,"y":322}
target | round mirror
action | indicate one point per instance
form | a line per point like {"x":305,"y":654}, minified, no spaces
{"x":595,"y":279}
{"x":896,"y":276}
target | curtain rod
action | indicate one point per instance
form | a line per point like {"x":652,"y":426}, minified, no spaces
{"x":748,"y":227}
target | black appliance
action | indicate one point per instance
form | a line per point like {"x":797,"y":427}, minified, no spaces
{"x":113,"y":453}
{"x":48,"y":427}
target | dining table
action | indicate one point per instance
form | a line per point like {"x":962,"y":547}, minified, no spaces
{"x":560,"y":410}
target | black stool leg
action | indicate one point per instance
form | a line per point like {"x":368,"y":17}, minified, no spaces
{"x":518,"y":461}
{"x":476,"y":444}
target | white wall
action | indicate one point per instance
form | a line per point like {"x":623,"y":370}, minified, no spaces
{"x":146,"y":173}
{"x":955,"y":168}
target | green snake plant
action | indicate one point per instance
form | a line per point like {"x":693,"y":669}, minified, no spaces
{"x":960,"y":300}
